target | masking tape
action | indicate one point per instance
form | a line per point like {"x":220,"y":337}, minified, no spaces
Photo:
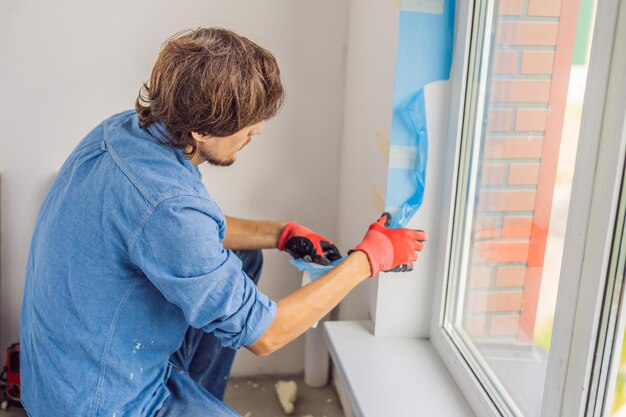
{"x":377,"y":200}
{"x":402,"y":157}
{"x":382,"y":141}
{"x":420,"y":6}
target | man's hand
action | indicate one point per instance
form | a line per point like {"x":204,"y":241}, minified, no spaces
{"x":391,"y":250}
{"x":302,"y":243}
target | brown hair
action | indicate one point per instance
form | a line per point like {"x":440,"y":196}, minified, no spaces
{"x":210,"y":81}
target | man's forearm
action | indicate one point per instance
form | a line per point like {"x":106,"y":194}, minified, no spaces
{"x":299,"y":310}
{"x":242,"y":234}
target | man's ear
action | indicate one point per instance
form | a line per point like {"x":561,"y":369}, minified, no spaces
{"x":199,"y":137}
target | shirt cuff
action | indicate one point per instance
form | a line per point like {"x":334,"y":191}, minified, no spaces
{"x":259,"y":318}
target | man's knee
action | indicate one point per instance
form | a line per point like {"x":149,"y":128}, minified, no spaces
{"x":252,"y":263}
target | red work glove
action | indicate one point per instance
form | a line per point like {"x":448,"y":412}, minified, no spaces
{"x":391,"y":250}
{"x":302,"y":243}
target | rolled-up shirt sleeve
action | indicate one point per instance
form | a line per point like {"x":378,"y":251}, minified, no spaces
{"x":179,"y":249}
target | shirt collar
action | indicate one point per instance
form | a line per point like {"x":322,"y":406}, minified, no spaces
{"x":159,"y":131}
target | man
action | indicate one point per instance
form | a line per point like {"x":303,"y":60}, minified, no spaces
{"x":135,"y":301}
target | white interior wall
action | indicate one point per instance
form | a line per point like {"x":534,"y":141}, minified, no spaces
{"x":371,"y":68}
{"x":66,"y":65}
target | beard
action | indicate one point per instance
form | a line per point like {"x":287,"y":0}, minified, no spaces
{"x":214,"y":160}
{"x":211,"y":159}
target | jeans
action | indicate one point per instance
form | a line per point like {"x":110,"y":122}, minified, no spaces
{"x":201,"y":366}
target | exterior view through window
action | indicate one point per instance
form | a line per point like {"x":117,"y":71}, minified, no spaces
{"x":525,"y":88}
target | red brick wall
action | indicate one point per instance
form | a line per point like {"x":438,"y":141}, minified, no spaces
{"x":530,"y":67}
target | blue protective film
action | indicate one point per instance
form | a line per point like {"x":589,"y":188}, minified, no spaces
{"x":425,"y":44}
{"x":407,"y":185}
{"x":316,"y":270}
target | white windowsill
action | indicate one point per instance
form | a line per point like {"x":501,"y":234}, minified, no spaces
{"x":391,"y":376}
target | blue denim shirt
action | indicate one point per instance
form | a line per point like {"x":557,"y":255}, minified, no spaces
{"x":126,"y":254}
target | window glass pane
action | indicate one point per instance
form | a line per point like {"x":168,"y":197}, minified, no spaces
{"x":523,"y":111}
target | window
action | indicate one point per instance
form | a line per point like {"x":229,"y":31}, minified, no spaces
{"x":520,"y":340}
{"x":522,"y":114}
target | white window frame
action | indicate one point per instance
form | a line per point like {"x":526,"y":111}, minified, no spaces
{"x":593,"y":207}
{"x":612,"y":323}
